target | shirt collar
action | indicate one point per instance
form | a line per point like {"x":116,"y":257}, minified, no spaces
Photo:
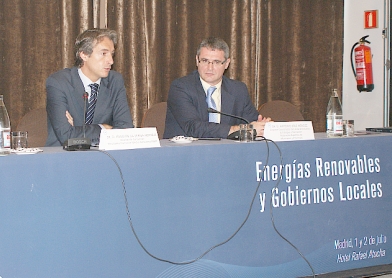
{"x":86,"y":81}
{"x":206,"y":85}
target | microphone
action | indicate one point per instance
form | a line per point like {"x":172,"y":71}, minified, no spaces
{"x":212,"y":110}
{"x":236,"y":134}
{"x":79,"y":144}
{"x":85,"y":97}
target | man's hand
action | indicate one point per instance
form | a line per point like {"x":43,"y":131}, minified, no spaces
{"x":234,"y":128}
{"x":69,"y":118}
{"x":259,"y":125}
{"x":106,"y":126}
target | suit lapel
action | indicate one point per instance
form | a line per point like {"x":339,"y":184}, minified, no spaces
{"x":79,"y":90}
{"x":227,"y":102}
{"x":201,"y":98}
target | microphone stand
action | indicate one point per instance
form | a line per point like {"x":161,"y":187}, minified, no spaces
{"x":79,"y":144}
{"x":85,"y":97}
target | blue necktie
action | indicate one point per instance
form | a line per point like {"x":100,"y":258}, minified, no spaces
{"x":213,"y":117}
{"x":91,"y":103}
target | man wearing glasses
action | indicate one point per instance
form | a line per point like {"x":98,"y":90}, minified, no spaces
{"x":191,"y":96}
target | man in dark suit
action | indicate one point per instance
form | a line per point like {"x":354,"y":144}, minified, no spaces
{"x":191,"y":96}
{"x":92,"y":78}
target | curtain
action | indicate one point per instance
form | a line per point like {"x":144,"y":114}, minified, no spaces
{"x":37,"y":40}
{"x":287,"y":49}
{"x":282,"y":49}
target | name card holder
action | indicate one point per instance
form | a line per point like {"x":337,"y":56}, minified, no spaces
{"x":129,"y":138}
{"x":289,"y":131}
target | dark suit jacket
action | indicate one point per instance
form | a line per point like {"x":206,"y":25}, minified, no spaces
{"x":187,"y":113}
{"x":65,"y":92}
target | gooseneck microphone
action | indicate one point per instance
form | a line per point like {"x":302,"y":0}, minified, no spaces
{"x":79,"y":144}
{"x":212,"y":110}
{"x":236,"y":134}
{"x":85,"y":97}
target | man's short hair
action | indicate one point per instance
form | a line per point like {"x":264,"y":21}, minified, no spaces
{"x":214,"y":43}
{"x":86,"y":41}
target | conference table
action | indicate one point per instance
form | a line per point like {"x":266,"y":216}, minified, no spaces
{"x":209,"y":208}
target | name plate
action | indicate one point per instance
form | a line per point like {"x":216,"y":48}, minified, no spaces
{"x":129,"y":138}
{"x":289,"y":131}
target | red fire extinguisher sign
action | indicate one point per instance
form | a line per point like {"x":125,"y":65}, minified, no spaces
{"x":371,"y":19}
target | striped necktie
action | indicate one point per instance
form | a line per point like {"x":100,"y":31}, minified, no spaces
{"x":213,"y":117}
{"x":91,"y":103}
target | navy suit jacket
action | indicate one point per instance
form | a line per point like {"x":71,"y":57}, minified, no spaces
{"x":187,"y":112}
{"x":64,"y":91}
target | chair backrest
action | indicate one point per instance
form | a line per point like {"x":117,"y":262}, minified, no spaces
{"x":35,"y":123}
{"x":155,"y":116}
{"x":280,"y":111}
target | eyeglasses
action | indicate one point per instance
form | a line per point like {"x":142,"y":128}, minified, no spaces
{"x":206,"y":62}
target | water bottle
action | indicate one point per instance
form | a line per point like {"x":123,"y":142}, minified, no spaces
{"x":334,"y":116}
{"x":5,"y":129}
